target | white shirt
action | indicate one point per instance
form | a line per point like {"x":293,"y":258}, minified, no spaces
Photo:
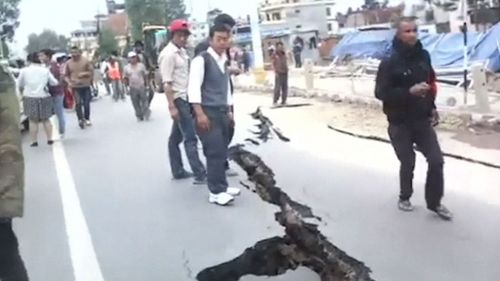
{"x":197,"y":75}
{"x":34,"y":80}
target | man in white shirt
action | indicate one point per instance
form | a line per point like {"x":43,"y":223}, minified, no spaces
{"x":209,"y":93}
{"x":174,"y":68}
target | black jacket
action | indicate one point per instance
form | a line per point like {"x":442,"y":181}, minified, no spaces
{"x":397,"y":73}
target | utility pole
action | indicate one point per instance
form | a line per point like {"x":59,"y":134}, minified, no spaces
{"x":259,"y":72}
{"x":466,"y":53}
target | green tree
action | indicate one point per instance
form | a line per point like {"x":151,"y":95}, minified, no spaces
{"x":175,"y":9}
{"x":145,"y":12}
{"x":107,"y":42}
{"x":9,"y":13}
{"x":48,"y":39}
{"x":160,"y":12}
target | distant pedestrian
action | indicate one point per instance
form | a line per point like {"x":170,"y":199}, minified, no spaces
{"x":245,"y":60}
{"x":11,"y":179}
{"x":229,"y":22}
{"x":174,"y":68}
{"x":115,"y":77}
{"x":210,"y":94}
{"x":404,"y":84}
{"x":38,"y":104}
{"x":103,"y":68}
{"x":57,"y":92}
{"x":280,"y":65}
{"x":135,"y":77}
{"x":79,"y":72}
{"x":298,"y":47}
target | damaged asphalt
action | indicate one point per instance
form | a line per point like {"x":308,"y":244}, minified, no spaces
{"x":146,"y":227}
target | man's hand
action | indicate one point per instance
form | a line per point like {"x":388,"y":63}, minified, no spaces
{"x":203,"y":123}
{"x":83,"y":75}
{"x":174,"y":112}
{"x":420,"y":89}
{"x":435,"y":119}
{"x":234,"y":71}
{"x":231,"y":119}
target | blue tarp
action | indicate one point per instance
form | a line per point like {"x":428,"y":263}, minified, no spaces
{"x":446,"y":49}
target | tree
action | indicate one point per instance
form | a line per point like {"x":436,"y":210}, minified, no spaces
{"x":175,"y":9}
{"x":107,"y":42}
{"x":145,"y":12}
{"x":9,"y":13}
{"x":48,"y":39}
{"x":160,"y":12}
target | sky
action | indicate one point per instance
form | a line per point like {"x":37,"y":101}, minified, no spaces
{"x":63,"y":16}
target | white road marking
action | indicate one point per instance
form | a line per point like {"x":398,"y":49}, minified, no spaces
{"x":83,"y":256}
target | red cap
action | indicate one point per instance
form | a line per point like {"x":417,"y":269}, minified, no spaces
{"x":179,"y":25}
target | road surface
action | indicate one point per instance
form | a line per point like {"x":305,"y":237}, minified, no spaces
{"x":101,"y":205}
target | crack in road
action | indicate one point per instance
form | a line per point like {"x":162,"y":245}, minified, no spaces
{"x":446,"y":154}
{"x":302,"y":245}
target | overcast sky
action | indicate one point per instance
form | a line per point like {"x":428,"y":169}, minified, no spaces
{"x":63,"y":16}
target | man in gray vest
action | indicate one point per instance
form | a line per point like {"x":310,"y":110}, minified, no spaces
{"x":11,"y":178}
{"x":209,"y":92}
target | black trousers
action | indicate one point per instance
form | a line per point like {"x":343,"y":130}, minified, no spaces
{"x":420,"y":133}
{"x":11,"y":265}
{"x":280,"y":87}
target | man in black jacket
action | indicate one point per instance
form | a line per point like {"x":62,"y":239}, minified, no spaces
{"x":404,"y":84}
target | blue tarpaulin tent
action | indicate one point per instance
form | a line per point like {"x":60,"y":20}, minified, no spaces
{"x":446,"y":49}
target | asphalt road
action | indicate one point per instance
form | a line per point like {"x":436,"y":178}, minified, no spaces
{"x":101,"y":205}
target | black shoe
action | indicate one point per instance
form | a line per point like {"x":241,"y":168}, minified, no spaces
{"x":50,"y":142}
{"x":81,"y":123}
{"x":35,"y":144}
{"x":405,"y":206}
{"x":200,"y":180}
{"x":183,"y":176}
{"x":443,"y":212}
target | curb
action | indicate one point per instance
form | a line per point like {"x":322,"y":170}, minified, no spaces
{"x":455,"y":118}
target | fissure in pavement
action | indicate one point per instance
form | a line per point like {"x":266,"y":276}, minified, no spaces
{"x":302,"y":245}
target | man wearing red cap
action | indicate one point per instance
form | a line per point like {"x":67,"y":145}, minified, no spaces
{"x":174,"y":68}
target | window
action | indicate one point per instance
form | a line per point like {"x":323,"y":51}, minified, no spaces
{"x":328,"y":12}
{"x":297,"y":11}
{"x":268,"y":17}
{"x":276,"y":16}
{"x":330,"y":27}
{"x":298,"y":26}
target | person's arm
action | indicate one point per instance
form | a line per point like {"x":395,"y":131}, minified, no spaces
{"x":21,"y":82}
{"x":126,"y":75}
{"x":145,"y":75}
{"x":196,"y":77}
{"x":52,"y":80}
{"x":167,"y":66}
{"x":67,"y":74}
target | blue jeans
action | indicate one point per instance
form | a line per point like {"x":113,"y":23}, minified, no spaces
{"x":215,"y":147}
{"x":83,"y":96}
{"x":59,"y":111}
{"x":184,"y":130}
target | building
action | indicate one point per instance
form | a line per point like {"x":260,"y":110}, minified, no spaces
{"x":199,"y":30}
{"x":87,"y":36}
{"x":355,"y":19}
{"x":299,"y":16}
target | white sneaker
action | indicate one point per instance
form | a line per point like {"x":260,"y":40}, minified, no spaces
{"x":221,"y":199}
{"x":88,"y":123}
{"x":233,"y":191}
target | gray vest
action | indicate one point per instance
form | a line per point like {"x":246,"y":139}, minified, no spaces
{"x":215,"y":84}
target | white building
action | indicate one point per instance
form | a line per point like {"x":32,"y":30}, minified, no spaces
{"x":299,"y":16}
{"x":199,"y":30}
